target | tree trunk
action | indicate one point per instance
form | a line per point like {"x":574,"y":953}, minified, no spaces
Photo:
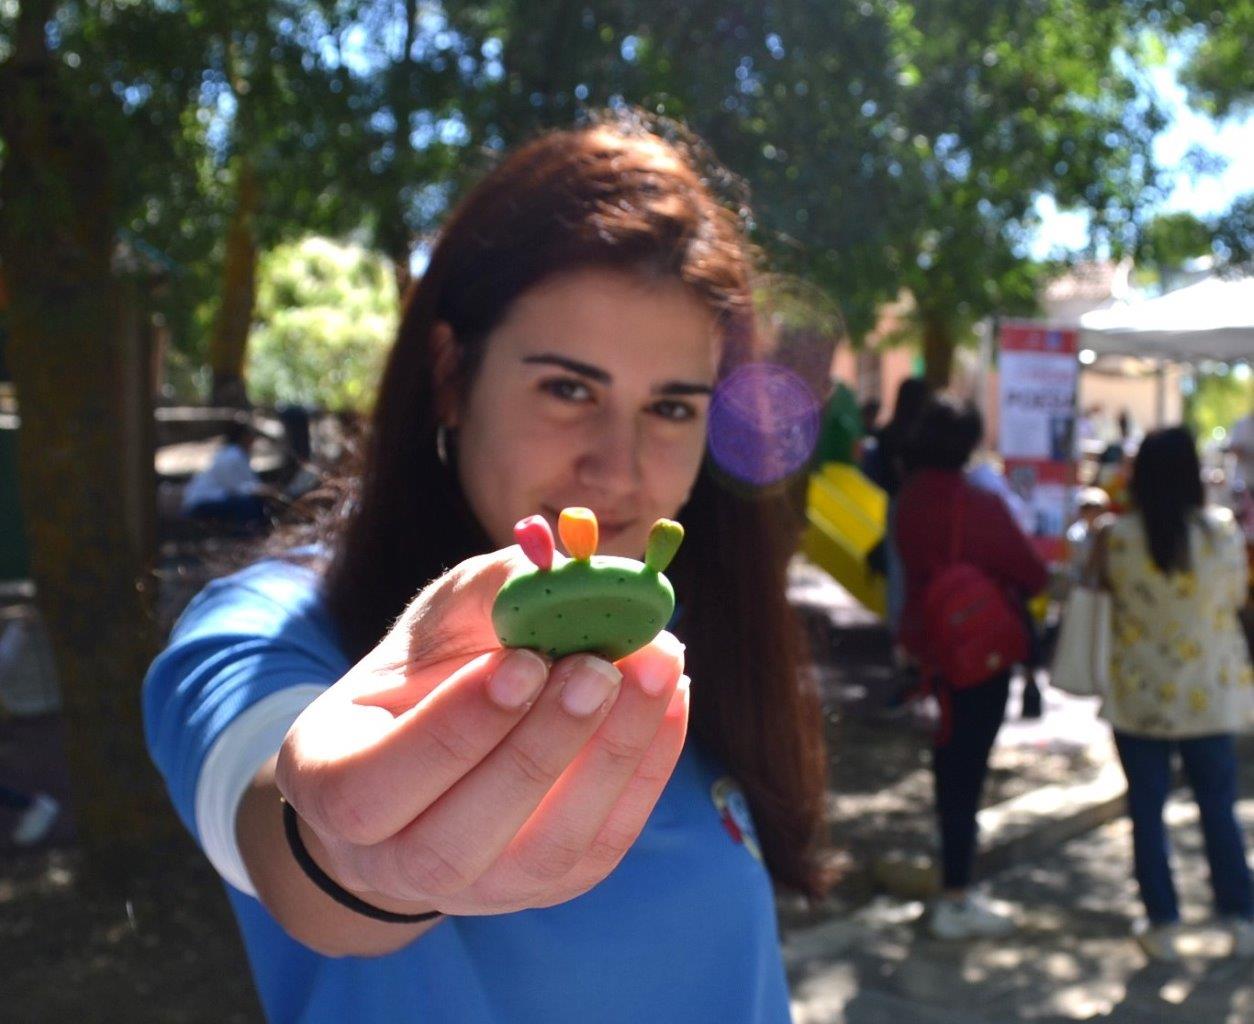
{"x":84,"y":447}
{"x":228,"y":345}
{"x":402,"y":276}
{"x":938,"y":349}
{"x":395,"y":234}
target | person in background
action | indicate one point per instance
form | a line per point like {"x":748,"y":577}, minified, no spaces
{"x":227,"y":489}
{"x":34,"y":815}
{"x":1181,"y":682}
{"x":935,"y":505}
{"x":1114,"y":471}
{"x":1241,"y":447}
{"x":870,"y":413}
{"x":1092,"y":430}
{"x":491,"y":836}
{"x":870,"y":410}
{"x":1129,"y":433}
{"x":1091,"y":504}
{"x":840,"y":427}
{"x":987,"y":475}
{"x":883,"y":466}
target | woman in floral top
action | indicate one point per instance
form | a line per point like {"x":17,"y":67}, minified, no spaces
{"x":1180,"y":677}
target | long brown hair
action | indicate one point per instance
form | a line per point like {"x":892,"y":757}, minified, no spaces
{"x":619,"y":197}
{"x":1167,"y":490}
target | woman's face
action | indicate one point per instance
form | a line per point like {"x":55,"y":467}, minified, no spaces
{"x":594,"y":390}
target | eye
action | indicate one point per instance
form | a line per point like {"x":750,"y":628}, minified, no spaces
{"x":567,"y":389}
{"x":674,"y":410}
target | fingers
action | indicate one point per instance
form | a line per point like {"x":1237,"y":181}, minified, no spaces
{"x":453,"y":615}
{"x":458,"y":837}
{"x":562,"y":755}
{"x":511,"y":883}
{"x":447,"y":625}
{"x":505,"y":766}
{"x":631,"y":811}
{"x":569,"y":826}
{"x":375,"y":772}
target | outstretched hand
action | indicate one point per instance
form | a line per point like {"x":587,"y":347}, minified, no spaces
{"x":444,"y":771}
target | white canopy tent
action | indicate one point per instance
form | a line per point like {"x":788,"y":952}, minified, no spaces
{"x":1212,"y":319}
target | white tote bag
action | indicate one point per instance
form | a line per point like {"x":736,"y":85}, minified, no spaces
{"x":1082,"y":657}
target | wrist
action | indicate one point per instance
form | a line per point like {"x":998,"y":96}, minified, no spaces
{"x":311,"y":855}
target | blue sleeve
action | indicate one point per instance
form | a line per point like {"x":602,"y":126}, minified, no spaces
{"x":241,"y":639}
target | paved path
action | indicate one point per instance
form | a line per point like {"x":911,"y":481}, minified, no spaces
{"x":1072,"y":960}
{"x":872,"y":961}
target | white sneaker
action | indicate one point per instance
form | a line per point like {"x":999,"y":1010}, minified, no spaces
{"x":1242,"y":932}
{"x":36,"y":821}
{"x":969,"y":917}
{"x":1158,"y":941}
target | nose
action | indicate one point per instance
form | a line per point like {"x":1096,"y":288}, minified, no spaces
{"x":610,"y":463}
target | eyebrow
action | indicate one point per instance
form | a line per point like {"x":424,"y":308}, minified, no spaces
{"x":670,"y":387}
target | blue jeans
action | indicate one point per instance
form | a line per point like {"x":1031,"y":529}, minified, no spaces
{"x":13,"y":799}
{"x":238,"y":510}
{"x":1210,"y":764}
{"x":895,"y":572}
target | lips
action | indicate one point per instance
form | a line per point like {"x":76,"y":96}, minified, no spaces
{"x":609,"y":531}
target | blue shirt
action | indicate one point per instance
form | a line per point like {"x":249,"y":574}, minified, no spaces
{"x":682,"y":930}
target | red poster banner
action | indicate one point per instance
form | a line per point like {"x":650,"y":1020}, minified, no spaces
{"x":1037,"y":416}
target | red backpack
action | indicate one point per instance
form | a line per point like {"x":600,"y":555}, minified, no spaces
{"x":972,"y":629}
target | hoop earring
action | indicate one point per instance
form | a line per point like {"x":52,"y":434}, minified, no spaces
{"x":441,"y":444}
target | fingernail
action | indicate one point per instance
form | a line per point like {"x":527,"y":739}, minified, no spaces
{"x":591,"y":682}
{"x":517,"y":680}
{"x":656,"y":673}
{"x":670,"y":643}
{"x":680,"y":697}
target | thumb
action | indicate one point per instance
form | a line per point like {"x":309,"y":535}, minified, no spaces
{"x":446,"y":625}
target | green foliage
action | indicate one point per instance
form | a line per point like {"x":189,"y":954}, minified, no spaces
{"x":1170,"y":239}
{"x":326,"y":314}
{"x":885,"y":144}
{"x":184,"y":88}
{"x":1220,"y":74}
{"x":1234,"y":234}
{"x":1217,"y":402}
{"x":1220,"y":78}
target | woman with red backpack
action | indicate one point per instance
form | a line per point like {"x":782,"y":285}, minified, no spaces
{"x":968,"y":568}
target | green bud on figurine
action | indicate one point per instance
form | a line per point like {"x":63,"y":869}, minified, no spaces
{"x":664,"y":541}
{"x":598,"y":603}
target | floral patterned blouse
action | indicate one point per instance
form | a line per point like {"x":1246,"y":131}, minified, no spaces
{"x":1180,"y":666}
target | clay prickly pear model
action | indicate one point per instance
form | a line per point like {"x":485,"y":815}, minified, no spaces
{"x":599,"y":603}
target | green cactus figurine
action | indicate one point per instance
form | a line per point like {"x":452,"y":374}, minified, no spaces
{"x":598,"y":603}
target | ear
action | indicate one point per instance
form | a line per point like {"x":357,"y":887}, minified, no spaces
{"x":446,"y":371}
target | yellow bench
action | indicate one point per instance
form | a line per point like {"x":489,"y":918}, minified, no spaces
{"x":846,"y":516}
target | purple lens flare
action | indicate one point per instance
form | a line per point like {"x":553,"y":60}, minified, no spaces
{"x":764,"y":421}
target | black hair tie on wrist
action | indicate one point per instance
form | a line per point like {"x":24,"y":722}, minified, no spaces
{"x":332,"y":888}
